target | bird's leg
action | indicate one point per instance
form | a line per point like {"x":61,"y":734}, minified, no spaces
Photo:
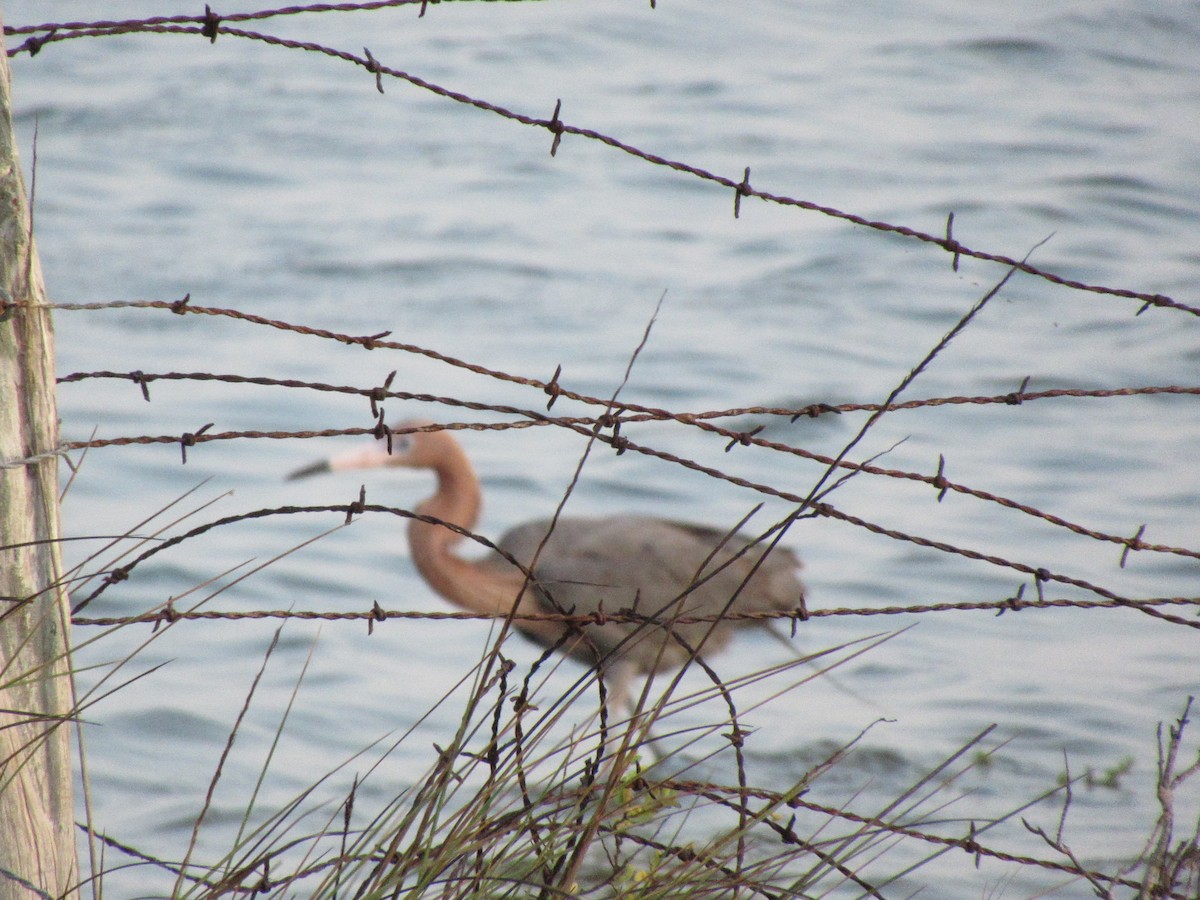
{"x":622,"y":715}
{"x":616,"y":711}
{"x":614,"y":678}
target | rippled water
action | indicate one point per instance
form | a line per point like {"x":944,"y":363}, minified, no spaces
{"x":282,"y":184}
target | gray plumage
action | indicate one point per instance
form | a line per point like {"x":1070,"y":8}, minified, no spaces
{"x":659,"y":569}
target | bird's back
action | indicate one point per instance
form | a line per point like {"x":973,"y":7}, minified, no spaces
{"x":658,"y":569}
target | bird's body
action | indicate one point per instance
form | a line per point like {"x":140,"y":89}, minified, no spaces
{"x":658,"y":569}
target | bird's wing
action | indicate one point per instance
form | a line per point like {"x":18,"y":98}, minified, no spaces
{"x":651,"y":566}
{"x":773,"y":583}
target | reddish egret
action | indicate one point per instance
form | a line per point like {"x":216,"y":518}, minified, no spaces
{"x":657,"y":568}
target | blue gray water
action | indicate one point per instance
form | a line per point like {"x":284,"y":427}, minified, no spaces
{"x":282,"y":184}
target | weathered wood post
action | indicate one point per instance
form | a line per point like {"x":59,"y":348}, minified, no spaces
{"x":37,"y":833}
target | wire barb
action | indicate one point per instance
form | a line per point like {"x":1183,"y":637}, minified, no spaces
{"x":741,"y":190}
{"x":556,"y":128}
{"x":745,"y":438}
{"x":951,"y":244}
{"x":139,"y":378}
{"x":377,"y":614}
{"x":552,"y":388}
{"x":212,"y":24}
{"x":1134,"y":543}
{"x":188,"y":439}
{"x":1017,"y":397}
{"x":939,"y":480}
{"x":372,"y":65}
{"x":372,"y":341}
{"x":359,"y":506}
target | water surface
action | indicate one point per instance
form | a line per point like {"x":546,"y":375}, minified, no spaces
{"x":282,"y":184}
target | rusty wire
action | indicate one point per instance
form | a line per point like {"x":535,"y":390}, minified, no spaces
{"x":590,"y":424}
{"x":1041,"y":576}
{"x":643,"y":413}
{"x":210,"y":26}
{"x":967,"y":843}
{"x":133,"y":25}
{"x":605,"y":426}
{"x":628,"y":412}
{"x":167,"y":613}
{"x":727,"y":795}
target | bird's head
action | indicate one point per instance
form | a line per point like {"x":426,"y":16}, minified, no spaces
{"x":408,"y":449}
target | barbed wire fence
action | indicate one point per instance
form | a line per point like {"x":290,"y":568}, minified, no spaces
{"x":606,"y":428}
{"x":601,"y":420}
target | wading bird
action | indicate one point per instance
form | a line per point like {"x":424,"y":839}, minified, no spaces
{"x":656,"y":568}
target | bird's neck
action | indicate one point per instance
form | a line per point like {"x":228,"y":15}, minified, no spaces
{"x":489,"y":589}
{"x":456,"y":502}
{"x":457,"y":499}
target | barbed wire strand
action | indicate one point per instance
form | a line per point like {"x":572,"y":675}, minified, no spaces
{"x":378,"y":613}
{"x":211,"y":25}
{"x":1041,"y":575}
{"x":555,"y":390}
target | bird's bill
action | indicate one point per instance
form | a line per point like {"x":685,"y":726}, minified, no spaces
{"x":317,"y":468}
{"x":369,"y":457}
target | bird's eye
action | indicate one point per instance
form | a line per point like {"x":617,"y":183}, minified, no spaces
{"x":401,"y":443}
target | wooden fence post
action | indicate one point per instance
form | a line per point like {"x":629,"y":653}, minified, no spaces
{"x":37,"y":832}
